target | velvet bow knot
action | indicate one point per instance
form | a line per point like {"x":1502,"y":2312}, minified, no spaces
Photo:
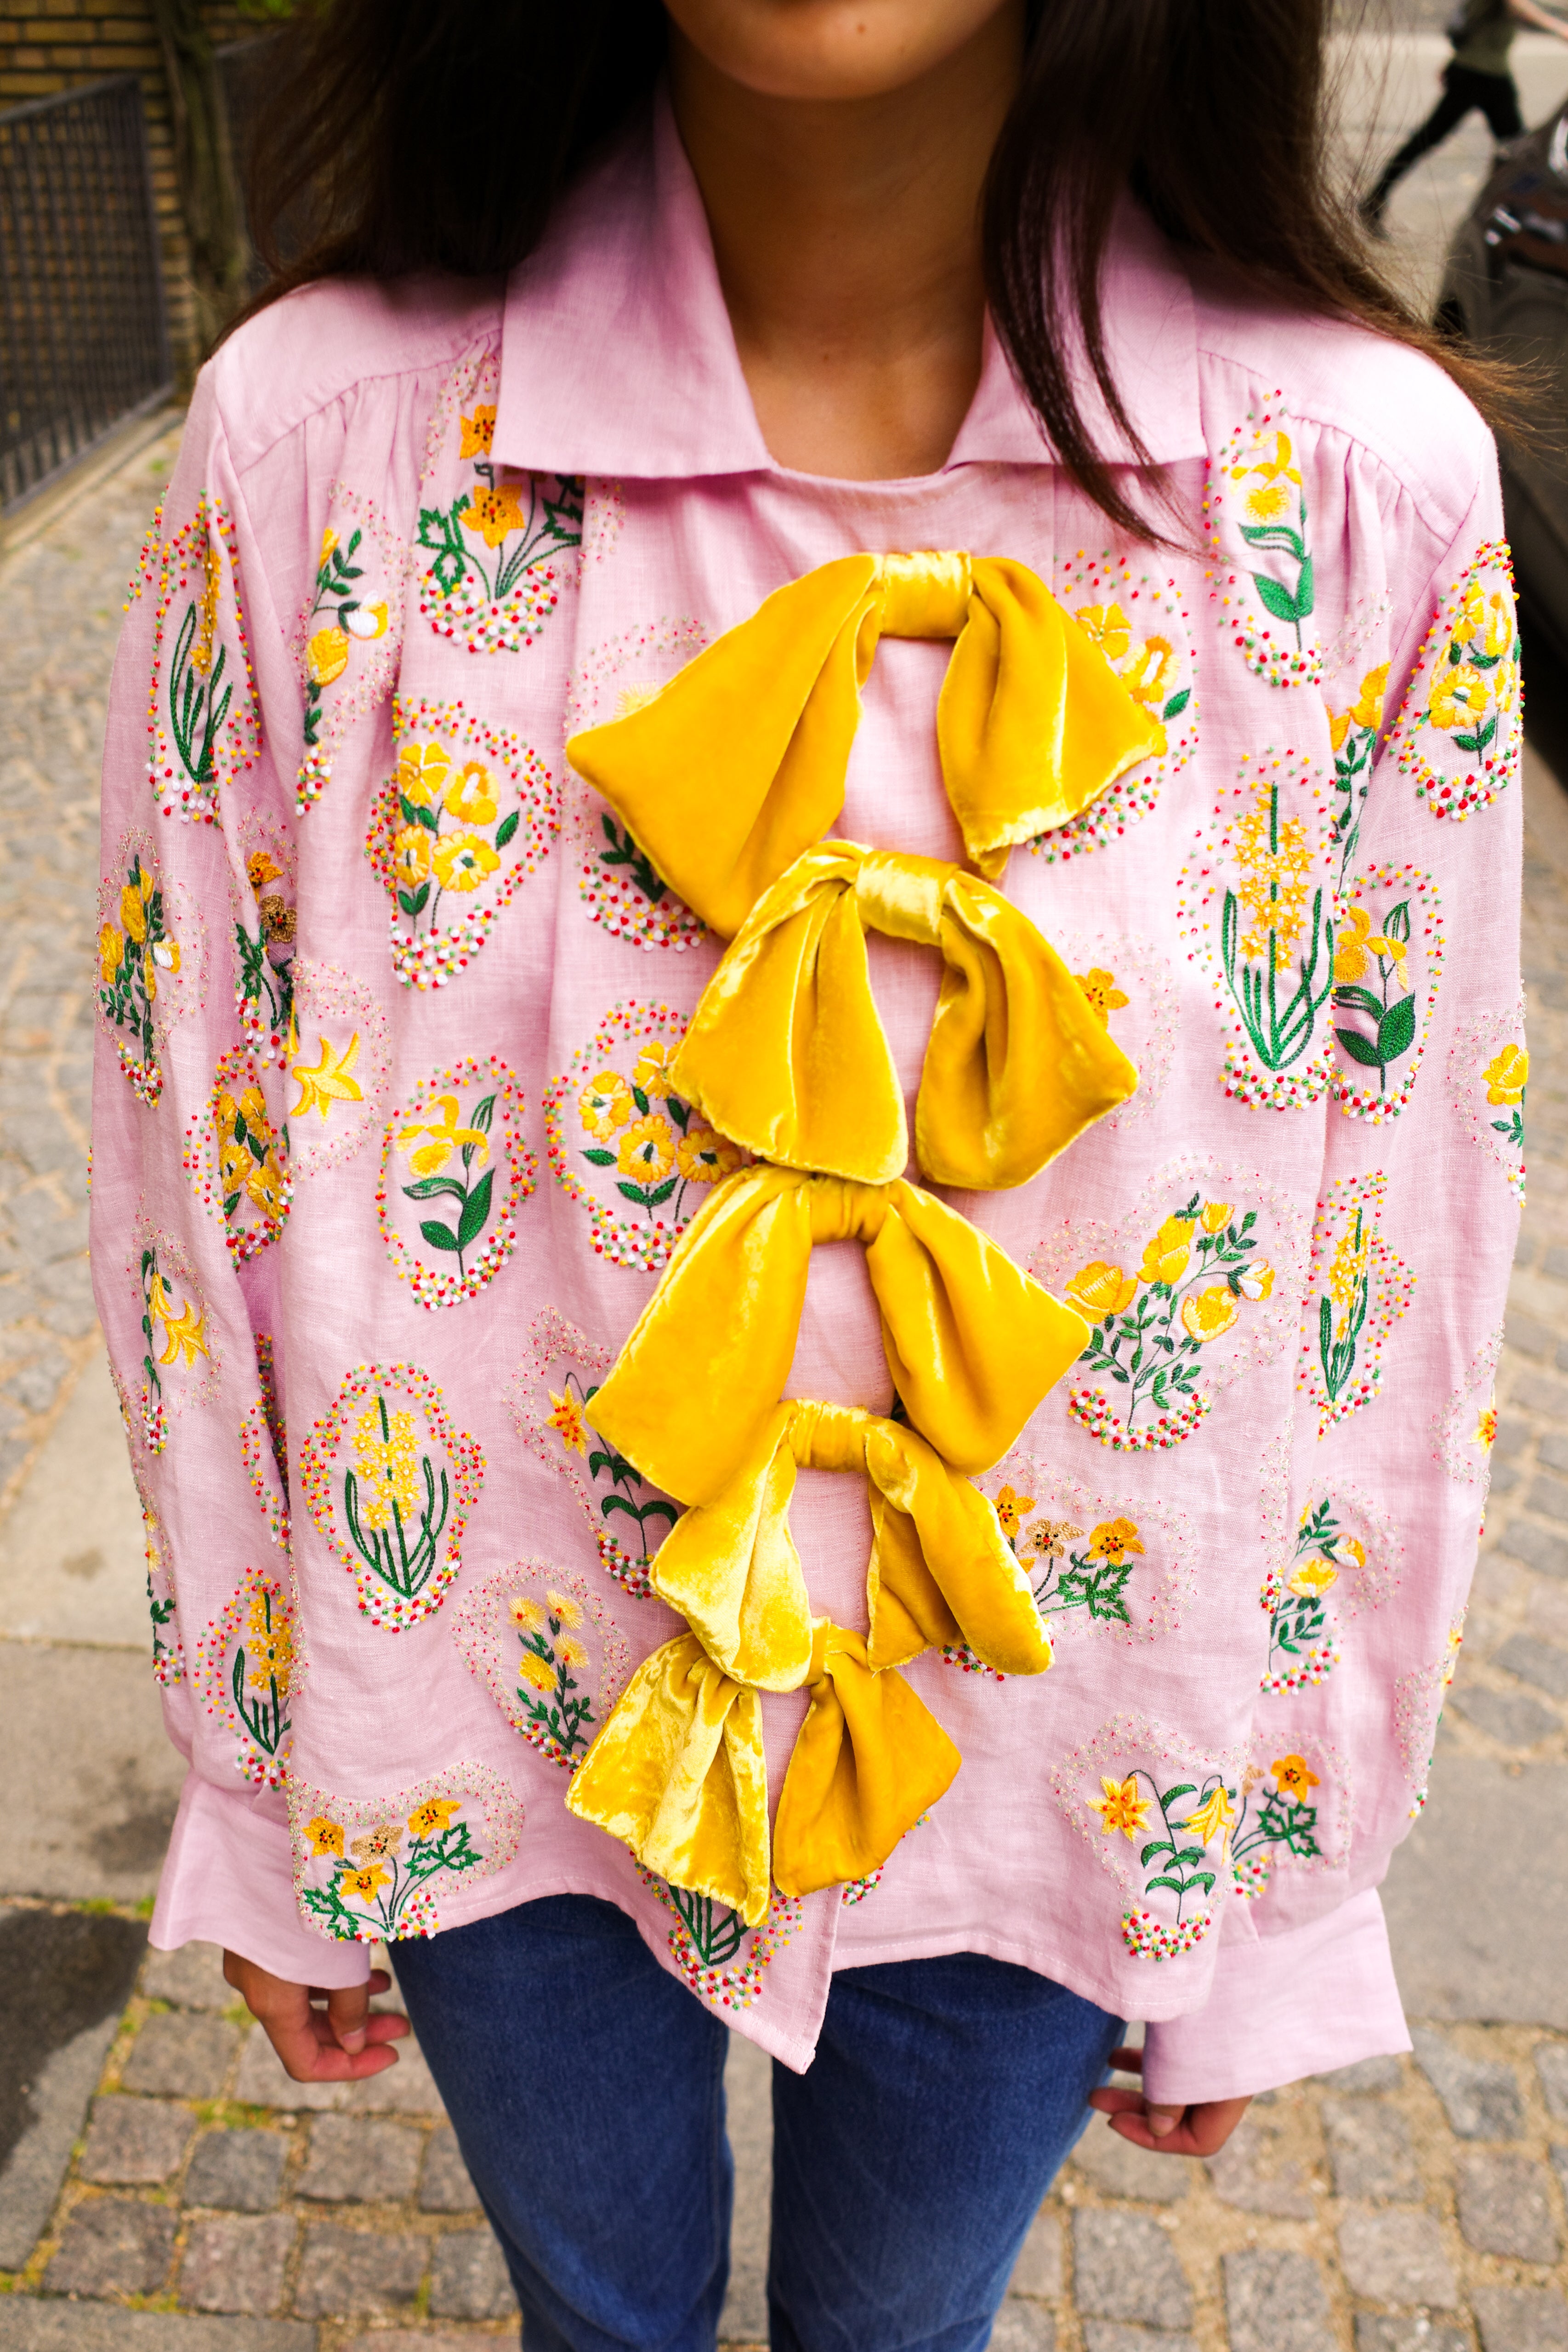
{"x":940,"y":1569}
{"x":738,"y":763}
{"x":972,"y":1343}
{"x":786,"y":1055}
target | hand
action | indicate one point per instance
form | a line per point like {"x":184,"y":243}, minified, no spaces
{"x":343,"y":2042}
{"x":1169,"y":2131}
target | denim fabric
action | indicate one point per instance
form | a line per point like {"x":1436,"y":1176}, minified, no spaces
{"x":586,"y":2088}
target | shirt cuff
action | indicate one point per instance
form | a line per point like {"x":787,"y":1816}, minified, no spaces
{"x":1256,"y":2033}
{"x":228,"y":1879}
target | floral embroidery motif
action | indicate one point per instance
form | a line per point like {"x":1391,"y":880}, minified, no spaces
{"x":446,"y":844}
{"x":529,"y":1634}
{"x":368,"y":1868}
{"x":143,"y":980}
{"x":1134,"y":1786}
{"x":1098,"y":1564}
{"x":263,"y":1447}
{"x":1256,"y":508}
{"x":162,"y":1603}
{"x":1179,"y":1306}
{"x":341,"y":677}
{"x":547,"y":1395}
{"x":1419,"y":1710}
{"x":1458,"y":734}
{"x":706,"y":1941}
{"x":603,"y":520}
{"x":174,"y":1338}
{"x":496,"y":548}
{"x":1353,"y":734}
{"x":235,"y":1157}
{"x":619,"y":888}
{"x":339,"y":1057}
{"x":1464,"y":1431}
{"x":202,"y":721}
{"x":1356,"y":1292}
{"x":1489,"y":1072}
{"x":412,"y":1481}
{"x":1388,"y":963}
{"x":1280,"y":1818}
{"x":1134,"y":990}
{"x":264,"y":972}
{"x":458,"y":1132}
{"x":244,"y":1670}
{"x":1261,"y":865}
{"x":616,"y":1133}
{"x":1343,"y":1546}
{"x":1141,"y":624}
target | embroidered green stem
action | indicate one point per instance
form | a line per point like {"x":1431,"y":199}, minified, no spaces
{"x":386,"y":1550}
{"x":477,"y":1197}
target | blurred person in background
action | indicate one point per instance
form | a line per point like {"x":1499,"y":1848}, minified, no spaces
{"x":1478,"y":78}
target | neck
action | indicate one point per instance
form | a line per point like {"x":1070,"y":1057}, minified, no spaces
{"x":847,"y":238}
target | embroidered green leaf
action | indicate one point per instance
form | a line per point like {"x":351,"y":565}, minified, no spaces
{"x":1176,"y":704}
{"x":431,"y":1188}
{"x":507,"y":827}
{"x":440,"y":1237}
{"x":476,"y":1210}
{"x":1360,"y":1049}
{"x":1396,"y":1030}
{"x":600,"y":1158}
{"x":1277,"y":600}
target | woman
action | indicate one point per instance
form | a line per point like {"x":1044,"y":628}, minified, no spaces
{"x":1478,"y":78}
{"x":533,"y":612}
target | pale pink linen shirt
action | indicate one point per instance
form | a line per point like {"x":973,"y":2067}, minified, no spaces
{"x":433,"y":529}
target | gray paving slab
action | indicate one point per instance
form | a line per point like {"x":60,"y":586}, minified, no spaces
{"x":97,"y":1823}
{"x":29,"y":2325}
{"x":1502,"y":1834}
{"x":749,"y":2112}
{"x":78,"y":1573}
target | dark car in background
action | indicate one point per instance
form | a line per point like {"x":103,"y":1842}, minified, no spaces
{"x":1505,"y":287}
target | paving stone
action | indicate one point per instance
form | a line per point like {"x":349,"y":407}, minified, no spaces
{"x":135,"y":2142}
{"x":1527,"y":1336}
{"x":1505,"y":2206}
{"x":1370,"y":2154}
{"x":188,"y":2057}
{"x":349,"y":2275}
{"x":238,"y":2265}
{"x":190,"y":1978}
{"x":1552,"y":2065}
{"x":445,"y":2186}
{"x":1119,"y":2170}
{"x":1275,"y":2301}
{"x":406,"y":2088}
{"x":1252,"y":2172}
{"x":1396,"y":2256}
{"x":112,"y":2245}
{"x":1536,"y":1394}
{"x":1479,"y":2095}
{"x":1109,"y":2335}
{"x":1124,"y":2267}
{"x":1520,"y":2319}
{"x":238,"y":2169}
{"x":1038,"y":2270}
{"x":1534,"y":1660}
{"x":1560,"y":2166}
{"x":1500,"y":1834}
{"x":1510,"y":1716}
{"x":1374,"y":2335}
{"x":355,"y":2163}
{"x":1366,"y":2074}
{"x":468,"y":2277}
{"x":1536,"y":1546}
{"x":53,"y":2326}
{"x":1023,"y":2327}
{"x":442,"y":2340}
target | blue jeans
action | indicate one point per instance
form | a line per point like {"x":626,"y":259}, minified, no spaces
{"x":586,"y":2086}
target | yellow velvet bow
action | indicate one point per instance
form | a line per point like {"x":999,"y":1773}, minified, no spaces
{"x":940,"y":1568}
{"x":786,"y":1053}
{"x":972,"y":1343}
{"x":738,"y":763}
{"x":678,"y":1773}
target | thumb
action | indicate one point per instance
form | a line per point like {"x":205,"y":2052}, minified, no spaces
{"x":1163,"y":2121}
{"x":348,"y":2007}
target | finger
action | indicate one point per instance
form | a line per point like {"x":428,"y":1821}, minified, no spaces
{"x":1127,"y":2061}
{"x":1163,"y":2121}
{"x":348,"y":2006}
{"x":1203,"y":2131}
{"x":1109,"y":2099}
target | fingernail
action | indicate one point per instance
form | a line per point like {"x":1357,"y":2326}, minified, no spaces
{"x":353,"y":2040}
{"x":1161,"y":2125}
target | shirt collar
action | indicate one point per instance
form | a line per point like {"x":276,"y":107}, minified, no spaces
{"x":617,"y":356}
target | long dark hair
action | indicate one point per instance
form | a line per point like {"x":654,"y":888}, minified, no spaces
{"x":409,"y":135}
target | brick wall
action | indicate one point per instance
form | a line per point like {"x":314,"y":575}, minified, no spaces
{"x":52,"y":44}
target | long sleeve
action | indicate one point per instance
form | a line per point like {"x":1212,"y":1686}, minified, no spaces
{"x":1373,"y":1509}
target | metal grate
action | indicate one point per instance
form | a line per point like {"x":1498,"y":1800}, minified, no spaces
{"x":83,"y":335}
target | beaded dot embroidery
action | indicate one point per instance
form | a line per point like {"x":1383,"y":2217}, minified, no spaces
{"x":250,"y":1225}
{"x":393,"y":1384}
{"x":218,"y":1676}
{"x":209,"y":657}
{"x":1265,"y":643}
{"x":1388,"y":886}
{"x":724,"y":1987}
{"x":1417,"y":742}
{"x":436,"y":1281}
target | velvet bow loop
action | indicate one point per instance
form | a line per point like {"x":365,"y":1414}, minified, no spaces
{"x":678,"y":1774}
{"x":940,"y":1569}
{"x":786,"y":1055}
{"x":869,"y":1760}
{"x":972,"y":1344}
{"x":737,"y":764}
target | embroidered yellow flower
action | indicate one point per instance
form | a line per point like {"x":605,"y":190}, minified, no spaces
{"x":1113,"y":1539}
{"x":184,"y":1334}
{"x":704,"y":1156}
{"x":1144,"y":678}
{"x":327,"y":656}
{"x":1490,"y":618}
{"x":133,"y":911}
{"x":1012,"y":1507}
{"x":1486,"y":1428}
{"x":365,"y":1885}
{"x":1256,"y":1280}
{"x":1098,"y":1290}
{"x":388,"y":1468}
{"x":329,"y":1081}
{"x":443,"y":1136}
{"x":1050,"y":1538}
{"x":265,"y":1183}
{"x":537,"y":1672}
{"x":1458,"y":697}
{"x":1507,"y":1075}
{"x":1206,"y":1313}
{"x":605,"y":1104}
{"x":493,"y":512}
{"x":1216,"y":1817}
{"x":650,"y":1071}
{"x":1121,"y":1807}
{"x":1366,"y":710}
{"x":1101,"y":990}
{"x":1166,"y":1258}
{"x":527,"y":1615}
{"x":1215,"y":1216}
{"x":563,"y":1608}
{"x":410,"y":856}
{"x":471,"y":796}
{"x":421,"y":773}
{"x":110,"y":950}
{"x":1347,"y":1269}
{"x":1310,"y":1579}
{"x":570,"y":1651}
{"x":367,"y":622}
{"x":1273,"y":860}
{"x":377,"y":1844}
{"x":328,"y":541}
{"x":1107,"y":626}
{"x":463,"y":860}
{"x":478,"y":430}
{"x":1270,"y":464}
{"x":565,"y":1417}
{"x":325,"y":1836}
{"x":268,"y":1646}
{"x":431,"y":1818}
{"x":235,"y":1164}
{"x":1357,"y":942}
{"x":1293,"y":1775}
{"x":646,"y":1151}
{"x":207,"y":628}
